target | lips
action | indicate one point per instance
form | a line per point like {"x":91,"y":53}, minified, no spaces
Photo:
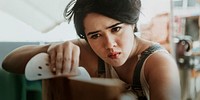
{"x":114,"y":55}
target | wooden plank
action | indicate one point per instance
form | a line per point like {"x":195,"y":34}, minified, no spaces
{"x":94,"y":89}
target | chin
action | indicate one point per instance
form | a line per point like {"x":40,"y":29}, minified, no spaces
{"x":116,"y":64}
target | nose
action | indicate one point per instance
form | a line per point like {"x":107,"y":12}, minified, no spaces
{"x":109,"y":43}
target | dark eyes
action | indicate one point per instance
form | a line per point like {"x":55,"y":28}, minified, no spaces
{"x":115,"y":29}
{"x":95,"y":35}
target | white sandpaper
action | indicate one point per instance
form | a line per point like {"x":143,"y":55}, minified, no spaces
{"x":38,"y":68}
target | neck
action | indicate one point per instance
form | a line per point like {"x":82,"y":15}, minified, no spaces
{"x":125,"y":72}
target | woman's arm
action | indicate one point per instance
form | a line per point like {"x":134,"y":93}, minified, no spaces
{"x":64,"y":57}
{"x":162,"y":75}
{"x":16,"y":61}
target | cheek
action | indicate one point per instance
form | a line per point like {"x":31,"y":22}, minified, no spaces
{"x":96,"y":46}
{"x":126,"y":44}
{"x":127,"y":40}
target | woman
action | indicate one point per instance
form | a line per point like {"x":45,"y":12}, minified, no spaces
{"x":107,"y":30}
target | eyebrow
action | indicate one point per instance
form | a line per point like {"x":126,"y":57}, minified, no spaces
{"x":106,"y":28}
{"x":114,"y":25}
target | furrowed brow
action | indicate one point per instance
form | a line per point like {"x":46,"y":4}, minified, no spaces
{"x":114,"y":25}
{"x":106,"y":28}
{"x":92,"y":33}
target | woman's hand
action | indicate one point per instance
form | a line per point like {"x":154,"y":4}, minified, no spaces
{"x":64,"y":58}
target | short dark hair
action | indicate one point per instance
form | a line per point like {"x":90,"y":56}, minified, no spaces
{"x":126,"y":11}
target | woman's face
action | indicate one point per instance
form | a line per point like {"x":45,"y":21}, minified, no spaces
{"x":110,"y":39}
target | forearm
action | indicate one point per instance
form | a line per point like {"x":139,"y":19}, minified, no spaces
{"x":16,"y":61}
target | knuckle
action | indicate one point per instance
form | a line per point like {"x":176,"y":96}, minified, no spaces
{"x":74,"y":61}
{"x":67,"y":43}
{"x":76,"y":47}
{"x":58,"y":47}
{"x":59,"y":59}
{"x":66,"y":59}
{"x":59,"y":65}
{"x":50,"y":52}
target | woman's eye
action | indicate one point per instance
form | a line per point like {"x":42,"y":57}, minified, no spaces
{"x":115,"y":29}
{"x":94,"y":36}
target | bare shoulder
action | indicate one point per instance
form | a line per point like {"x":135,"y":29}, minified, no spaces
{"x":88,"y":58}
{"x":162,"y":75}
{"x":161,"y":61}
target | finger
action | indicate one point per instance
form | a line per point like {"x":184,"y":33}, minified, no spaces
{"x":52,"y":61}
{"x":59,"y":60}
{"x":75,"y":60}
{"x":67,"y":60}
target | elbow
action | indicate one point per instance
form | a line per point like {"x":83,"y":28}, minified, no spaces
{"x":5,"y":65}
{"x":10,"y":65}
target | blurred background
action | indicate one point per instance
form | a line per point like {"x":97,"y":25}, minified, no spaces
{"x":175,"y":24}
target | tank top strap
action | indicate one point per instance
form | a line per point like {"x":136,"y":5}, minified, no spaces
{"x":136,"y":86}
{"x":101,"y":68}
